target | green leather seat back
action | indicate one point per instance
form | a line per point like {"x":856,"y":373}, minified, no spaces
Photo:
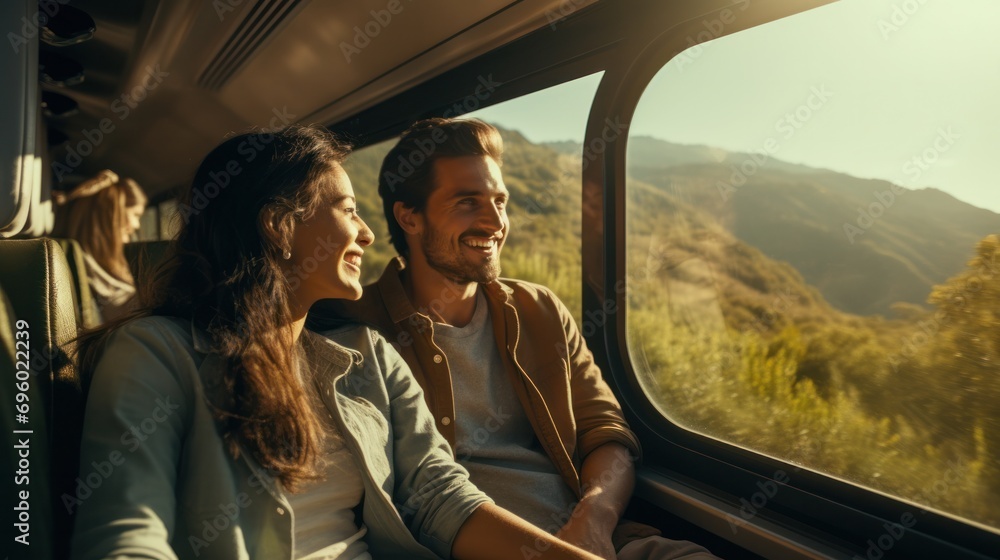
{"x":88,"y":314}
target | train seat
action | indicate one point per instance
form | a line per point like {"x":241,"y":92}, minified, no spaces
{"x":88,"y":313}
{"x":38,"y":283}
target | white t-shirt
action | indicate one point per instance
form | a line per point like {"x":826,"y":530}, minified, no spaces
{"x":324,"y":511}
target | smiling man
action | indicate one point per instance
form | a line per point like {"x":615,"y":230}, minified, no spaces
{"x":505,"y":372}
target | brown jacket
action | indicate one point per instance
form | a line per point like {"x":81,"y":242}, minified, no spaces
{"x":571,"y":408}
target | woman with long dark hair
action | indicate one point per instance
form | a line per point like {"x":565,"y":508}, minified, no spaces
{"x":218,"y":427}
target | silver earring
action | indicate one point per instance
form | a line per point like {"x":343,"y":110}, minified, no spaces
{"x":286,"y":255}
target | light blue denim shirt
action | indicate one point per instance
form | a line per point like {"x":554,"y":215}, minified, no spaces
{"x":156,"y":482}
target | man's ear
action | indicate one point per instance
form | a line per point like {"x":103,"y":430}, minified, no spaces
{"x":408,"y":218}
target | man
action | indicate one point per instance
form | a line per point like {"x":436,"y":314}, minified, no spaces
{"x":506,"y":374}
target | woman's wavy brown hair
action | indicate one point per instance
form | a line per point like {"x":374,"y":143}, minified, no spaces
{"x":223,"y":273}
{"x":95,"y":214}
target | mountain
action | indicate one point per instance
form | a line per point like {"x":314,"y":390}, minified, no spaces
{"x":865,"y":244}
{"x":653,"y":153}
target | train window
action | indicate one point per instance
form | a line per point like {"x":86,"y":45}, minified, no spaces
{"x":149,"y":224}
{"x":362,"y":167}
{"x":542,"y":134}
{"x":169,"y":224}
{"x":810,"y":246}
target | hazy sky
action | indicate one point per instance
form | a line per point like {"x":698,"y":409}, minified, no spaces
{"x":903,"y":79}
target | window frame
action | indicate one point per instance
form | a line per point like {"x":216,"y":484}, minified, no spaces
{"x":830,"y":510}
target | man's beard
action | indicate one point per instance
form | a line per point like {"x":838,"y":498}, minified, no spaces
{"x":455,"y":266}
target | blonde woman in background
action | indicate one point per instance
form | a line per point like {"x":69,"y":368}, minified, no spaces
{"x":101,"y":214}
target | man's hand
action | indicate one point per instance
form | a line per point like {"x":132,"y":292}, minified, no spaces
{"x":590,"y":528}
{"x":608,"y":478}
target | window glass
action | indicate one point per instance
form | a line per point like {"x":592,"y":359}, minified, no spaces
{"x":169,"y":219}
{"x":812,"y":250}
{"x":542,"y":132}
{"x":362,"y":167}
{"x":149,"y":226}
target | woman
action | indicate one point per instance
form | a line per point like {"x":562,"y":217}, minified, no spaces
{"x":227,"y":430}
{"x":101,"y":214}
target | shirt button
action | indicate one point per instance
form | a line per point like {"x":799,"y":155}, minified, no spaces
{"x":281,"y":511}
{"x":438,"y":359}
{"x":446,"y":420}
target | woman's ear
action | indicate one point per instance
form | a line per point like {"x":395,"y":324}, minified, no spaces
{"x":408,"y":218}
{"x":277,"y":228}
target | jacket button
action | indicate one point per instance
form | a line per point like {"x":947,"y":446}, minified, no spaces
{"x":446,"y":420}
{"x":281,"y":511}
{"x":438,"y":359}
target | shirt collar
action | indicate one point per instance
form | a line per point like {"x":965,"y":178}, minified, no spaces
{"x":202,"y":342}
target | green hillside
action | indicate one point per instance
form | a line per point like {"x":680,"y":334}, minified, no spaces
{"x":739,"y":346}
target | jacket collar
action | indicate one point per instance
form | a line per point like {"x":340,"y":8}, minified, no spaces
{"x":327,"y":357}
{"x":399,"y":306}
{"x":391,"y":288}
